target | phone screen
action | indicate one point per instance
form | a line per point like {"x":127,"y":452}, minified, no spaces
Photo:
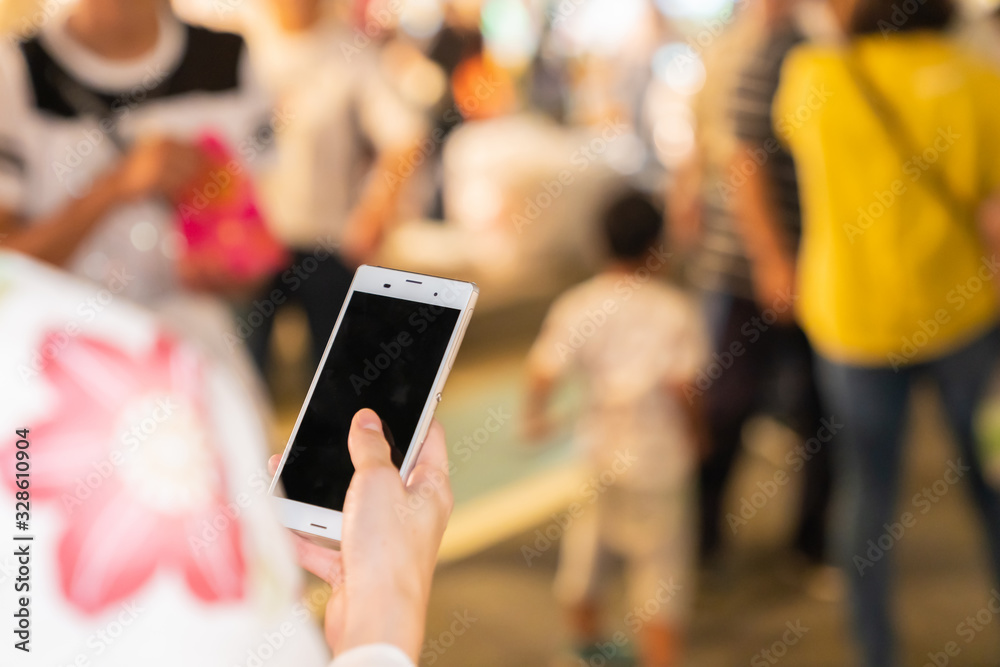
{"x":385,"y":356}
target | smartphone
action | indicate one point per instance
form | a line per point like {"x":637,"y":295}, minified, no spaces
{"x":394,"y":343}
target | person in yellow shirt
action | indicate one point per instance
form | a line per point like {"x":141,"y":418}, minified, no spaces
{"x":895,"y":136}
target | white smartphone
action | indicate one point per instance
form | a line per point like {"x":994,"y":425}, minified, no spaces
{"x":391,"y":350}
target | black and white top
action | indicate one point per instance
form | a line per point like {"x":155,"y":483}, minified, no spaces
{"x":67,"y":115}
{"x":752,"y":111}
{"x":721,"y":264}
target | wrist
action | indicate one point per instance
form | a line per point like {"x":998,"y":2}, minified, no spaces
{"x":381,"y":621}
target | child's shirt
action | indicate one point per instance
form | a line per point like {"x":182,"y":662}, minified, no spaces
{"x":636,"y":342}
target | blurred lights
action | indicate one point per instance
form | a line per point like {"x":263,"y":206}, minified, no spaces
{"x":172,"y":245}
{"x":423,"y":82}
{"x":694,"y":9}
{"x":509,"y":32}
{"x":601,"y":26}
{"x":673,"y":134}
{"x":479,"y":205}
{"x":144,"y":236}
{"x":626,"y":154}
{"x":421,"y":18}
{"x":680,"y":68}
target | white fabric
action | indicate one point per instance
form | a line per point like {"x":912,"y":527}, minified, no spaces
{"x":373,"y":655}
{"x":632,"y":340}
{"x":652,"y":532}
{"x":333,"y":95}
{"x":163,"y":624}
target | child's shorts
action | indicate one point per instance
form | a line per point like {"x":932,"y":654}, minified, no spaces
{"x":653,"y":532}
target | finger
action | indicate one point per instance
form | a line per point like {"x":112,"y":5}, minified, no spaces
{"x":431,"y":470}
{"x":366,"y":441}
{"x":433,"y":457}
{"x":272,"y":464}
{"x":324,"y":562}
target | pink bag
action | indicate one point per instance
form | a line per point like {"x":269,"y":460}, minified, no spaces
{"x":222,"y":226}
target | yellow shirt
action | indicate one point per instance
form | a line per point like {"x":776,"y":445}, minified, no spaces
{"x":887,"y":273}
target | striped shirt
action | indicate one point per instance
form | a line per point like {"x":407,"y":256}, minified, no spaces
{"x":721,"y":264}
{"x":752,"y":118}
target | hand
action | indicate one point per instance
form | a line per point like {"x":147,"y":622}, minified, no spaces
{"x":365,"y":232}
{"x":158,"y":166}
{"x":774,"y":284}
{"x":391,"y":533}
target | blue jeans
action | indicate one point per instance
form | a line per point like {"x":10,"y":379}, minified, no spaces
{"x":871,"y":404}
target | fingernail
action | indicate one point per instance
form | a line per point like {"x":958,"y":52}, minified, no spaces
{"x":368,"y":419}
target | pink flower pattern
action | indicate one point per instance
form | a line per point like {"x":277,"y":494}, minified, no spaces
{"x":129,"y":456}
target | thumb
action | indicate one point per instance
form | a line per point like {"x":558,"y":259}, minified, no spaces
{"x":367,"y":443}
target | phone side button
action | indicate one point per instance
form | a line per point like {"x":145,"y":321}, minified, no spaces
{"x":437,"y":397}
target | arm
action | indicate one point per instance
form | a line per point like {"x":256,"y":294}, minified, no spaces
{"x":684,"y":205}
{"x":54,"y":238}
{"x":537,"y":424}
{"x":377,"y":206}
{"x":157,"y":167}
{"x":768,"y":248}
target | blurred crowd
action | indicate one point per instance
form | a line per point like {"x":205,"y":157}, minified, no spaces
{"x":786,"y":207}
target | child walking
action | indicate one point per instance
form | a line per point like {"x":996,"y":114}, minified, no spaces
{"x":637,"y":342}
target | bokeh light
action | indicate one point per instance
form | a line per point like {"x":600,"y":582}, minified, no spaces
{"x":680,"y":68}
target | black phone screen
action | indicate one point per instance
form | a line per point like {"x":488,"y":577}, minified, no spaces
{"x":385,"y":356}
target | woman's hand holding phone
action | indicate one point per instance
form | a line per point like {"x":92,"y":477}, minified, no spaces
{"x":391,"y":534}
